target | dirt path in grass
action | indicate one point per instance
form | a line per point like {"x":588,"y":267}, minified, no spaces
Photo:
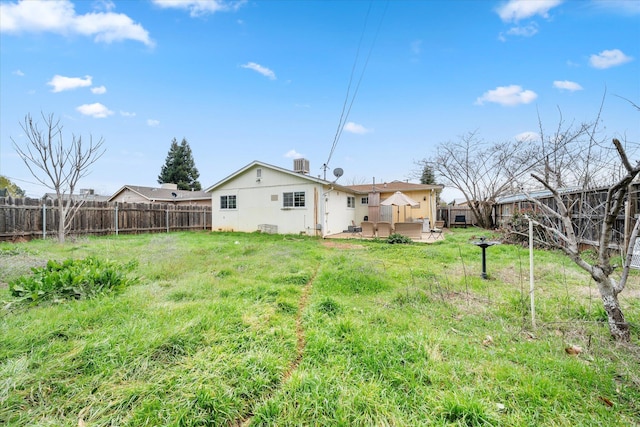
{"x":300,"y":345}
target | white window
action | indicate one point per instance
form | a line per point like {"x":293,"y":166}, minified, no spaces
{"x":227,"y":202}
{"x":364,"y":200}
{"x":351,"y":202}
{"x":294,"y":199}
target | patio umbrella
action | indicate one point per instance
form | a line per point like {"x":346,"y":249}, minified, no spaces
{"x":399,"y":199}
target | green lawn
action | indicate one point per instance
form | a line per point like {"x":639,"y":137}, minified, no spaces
{"x":255,"y":329}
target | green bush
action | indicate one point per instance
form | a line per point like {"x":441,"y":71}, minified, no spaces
{"x":396,"y":238}
{"x":71,"y":279}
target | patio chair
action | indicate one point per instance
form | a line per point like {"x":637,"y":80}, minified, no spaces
{"x":436,"y":233}
{"x":368,"y":229}
{"x":384,"y":229}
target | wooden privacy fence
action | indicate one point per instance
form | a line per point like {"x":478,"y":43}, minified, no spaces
{"x":456,"y":216}
{"x":36,"y":218}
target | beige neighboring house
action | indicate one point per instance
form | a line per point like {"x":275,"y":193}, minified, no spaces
{"x":263,"y":197}
{"x":168,"y":193}
{"x":425,"y":194}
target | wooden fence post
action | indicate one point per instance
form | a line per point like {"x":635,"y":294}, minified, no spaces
{"x":44,"y":220}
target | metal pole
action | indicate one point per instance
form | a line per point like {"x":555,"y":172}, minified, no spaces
{"x":44,"y":219}
{"x":531,"y":287}
{"x":167,"y":219}
{"x":116,"y":218}
{"x":484,"y":262}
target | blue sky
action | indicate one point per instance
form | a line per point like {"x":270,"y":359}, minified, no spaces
{"x":267,"y":80}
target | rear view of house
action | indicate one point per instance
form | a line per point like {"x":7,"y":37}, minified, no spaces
{"x":263,"y":197}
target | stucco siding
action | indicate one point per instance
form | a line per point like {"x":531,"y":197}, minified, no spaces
{"x":259,"y":200}
{"x":337,"y":216}
{"x":129,"y":197}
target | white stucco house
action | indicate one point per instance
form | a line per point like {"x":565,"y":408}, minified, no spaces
{"x":263,"y":197}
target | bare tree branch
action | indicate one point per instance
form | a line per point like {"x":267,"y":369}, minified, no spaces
{"x":57,"y":166}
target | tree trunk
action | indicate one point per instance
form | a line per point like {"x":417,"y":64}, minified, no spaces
{"x":62,"y":219}
{"x":483,"y":212}
{"x":618,"y":326}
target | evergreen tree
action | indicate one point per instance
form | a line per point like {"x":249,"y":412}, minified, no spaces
{"x":180,"y":168}
{"x":427,"y":176}
{"x":8,"y":188}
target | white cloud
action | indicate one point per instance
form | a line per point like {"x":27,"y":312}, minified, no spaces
{"x":529,"y":30}
{"x":293,"y":154}
{"x":62,"y":83}
{"x":527,"y":137}
{"x":608,"y":59}
{"x":127,"y":114}
{"x":260,"y":69}
{"x":566,"y":85}
{"x":352,"y":127}
{"x":508,"y":96}
{"x":96,"y":110}
{"x":106,"y":5}
{"x":201,"y":7}
{"x":60,"y":17}
{"x":99,"y":90}
{"x":18,"y":73}
{"x":516,"y":10}
{"x":153,"y":123}
{"x":626,"y":7}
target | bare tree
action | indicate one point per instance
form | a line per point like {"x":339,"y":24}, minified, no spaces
{"x":558,"y":222}
{"x":482,"y":172}
{"x":57,"y":165}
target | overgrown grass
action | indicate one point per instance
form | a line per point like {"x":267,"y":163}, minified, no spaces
{"x":231,"y":328}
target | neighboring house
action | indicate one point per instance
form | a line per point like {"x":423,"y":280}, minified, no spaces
{"x":86,"y":194}
{"x":263,"y":197}
{"x":168,"y":193}
{"x":372,"y":194}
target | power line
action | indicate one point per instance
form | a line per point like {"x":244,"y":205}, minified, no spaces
{"x":347,"y":105}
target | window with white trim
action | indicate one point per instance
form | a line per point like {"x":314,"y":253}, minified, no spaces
{"x":351,"y":201}
{"x":228,"y":202}
{"x":293,"y":199}
{"x":364,"y":200}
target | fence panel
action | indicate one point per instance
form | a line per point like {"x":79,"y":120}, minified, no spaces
{"x":25,"y":218}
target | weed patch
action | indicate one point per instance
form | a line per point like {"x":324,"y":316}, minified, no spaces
{"x":71,"y":279}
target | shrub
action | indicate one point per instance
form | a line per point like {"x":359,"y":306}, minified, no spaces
{"x":516,"y":230}
{"x":396,"y":238}
{"x":71,"y":279}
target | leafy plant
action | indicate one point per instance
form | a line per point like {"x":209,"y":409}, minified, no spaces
{"x":71,"y":279}
{"x":396,"y":238}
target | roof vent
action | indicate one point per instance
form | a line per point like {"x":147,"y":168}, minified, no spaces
{"x":301,"y":166}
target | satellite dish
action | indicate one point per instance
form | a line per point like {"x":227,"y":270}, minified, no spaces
{"x":338,"y":172}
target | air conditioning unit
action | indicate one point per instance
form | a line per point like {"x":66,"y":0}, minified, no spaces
{"x":301,"y":166}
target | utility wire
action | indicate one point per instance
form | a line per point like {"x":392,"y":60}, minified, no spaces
{"x":347,"y":105}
